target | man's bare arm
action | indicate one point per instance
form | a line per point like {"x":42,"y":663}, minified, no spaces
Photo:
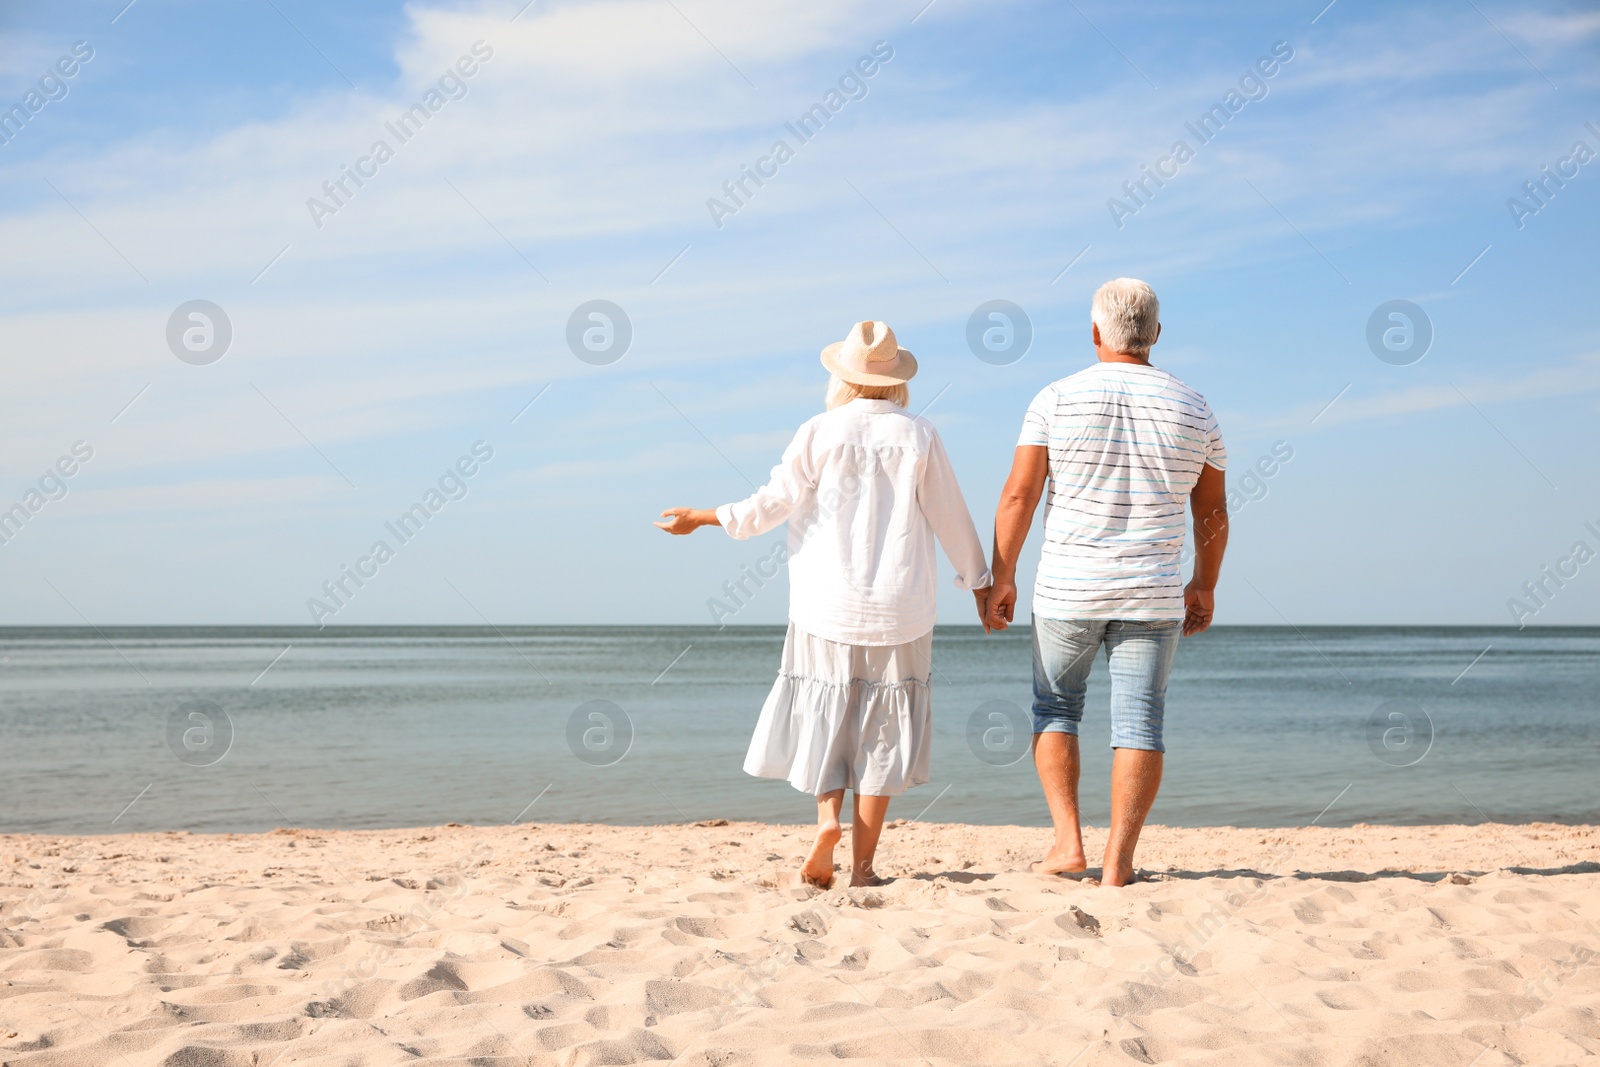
{"x":1012,"y":520}
{"x":1209,"y":500}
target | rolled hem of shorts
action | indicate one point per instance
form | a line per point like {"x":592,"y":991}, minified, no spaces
{"x":1139,"y":746}
{"x":1055,"y":726}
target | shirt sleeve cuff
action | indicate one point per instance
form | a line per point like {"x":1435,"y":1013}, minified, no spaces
{"x":725,"y":516}
{"x":982,"y":581}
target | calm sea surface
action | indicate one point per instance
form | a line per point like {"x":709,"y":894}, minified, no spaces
{"x":243,"y":729}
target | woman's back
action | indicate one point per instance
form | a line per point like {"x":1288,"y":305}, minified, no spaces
{"x":866,"y":488}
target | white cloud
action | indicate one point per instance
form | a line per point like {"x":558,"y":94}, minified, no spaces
{"x":592,"y":139}
{"x":1556,"y":31}
{"x":231,"y":494}
{"x":1580,"y":374}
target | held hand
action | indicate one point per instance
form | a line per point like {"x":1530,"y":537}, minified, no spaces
{"x":982,"y":597}
{"x":680,"y":521}
{"x":1198,"y":606}
{"x":1002,"y":604}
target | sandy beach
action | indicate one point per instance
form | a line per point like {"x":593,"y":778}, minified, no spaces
{"x":581,"y":944}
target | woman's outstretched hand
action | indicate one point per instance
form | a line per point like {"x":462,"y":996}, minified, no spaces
{"x":682,"y":521}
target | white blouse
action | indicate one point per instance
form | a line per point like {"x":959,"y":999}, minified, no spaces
{"x":865,"y":489}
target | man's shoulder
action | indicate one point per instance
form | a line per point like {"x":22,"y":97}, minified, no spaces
{"x":1181,"y":389}
{"x":1143,"y":387}
{"x":1076,"y":380}
{"x":1150,"y":384}
{"x":1094,"y":380}
{"x":1175,"y":382}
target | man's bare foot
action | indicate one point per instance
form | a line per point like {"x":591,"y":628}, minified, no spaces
{"x":1069,"y":864}
{"x":1118,"y":875}
{"x":868,"y":879}
{"x":818,"y":867}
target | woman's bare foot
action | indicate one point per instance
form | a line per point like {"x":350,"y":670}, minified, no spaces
{"x":864,"y":830}
{"x":818,"y":867}
{"x":1057,"y":861}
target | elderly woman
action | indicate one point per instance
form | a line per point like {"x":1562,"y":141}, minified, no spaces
{"x":865,"y":487}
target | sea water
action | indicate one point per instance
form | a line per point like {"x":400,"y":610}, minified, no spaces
{"x":250,"y":728}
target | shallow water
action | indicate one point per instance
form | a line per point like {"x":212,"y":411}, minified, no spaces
{"x":406,"y":726}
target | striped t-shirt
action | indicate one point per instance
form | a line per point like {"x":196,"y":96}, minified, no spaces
{"x":1127,"y":442}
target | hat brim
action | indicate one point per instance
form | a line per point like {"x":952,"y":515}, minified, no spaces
{"x":905,"y":368}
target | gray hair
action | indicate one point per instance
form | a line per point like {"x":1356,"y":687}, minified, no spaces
{"x":841,"y":392}
{"x":1128,"y":314}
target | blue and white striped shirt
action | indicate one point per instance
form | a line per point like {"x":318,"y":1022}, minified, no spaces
{"x":1127,"y":443}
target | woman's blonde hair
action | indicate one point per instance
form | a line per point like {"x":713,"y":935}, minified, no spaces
{"x":841,"y":392}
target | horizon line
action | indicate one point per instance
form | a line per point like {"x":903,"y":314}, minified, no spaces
{"x":309,"y":630}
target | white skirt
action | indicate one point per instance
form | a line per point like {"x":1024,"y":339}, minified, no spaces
{"x":846,"y":717}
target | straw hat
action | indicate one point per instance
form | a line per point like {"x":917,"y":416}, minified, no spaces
{"x":870,"y":356}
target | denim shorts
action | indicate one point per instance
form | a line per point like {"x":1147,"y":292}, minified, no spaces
{"x":1140,"y":654}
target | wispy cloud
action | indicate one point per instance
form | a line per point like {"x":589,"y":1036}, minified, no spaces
{"x":1575,"y":377}
{"x":409,"y":323}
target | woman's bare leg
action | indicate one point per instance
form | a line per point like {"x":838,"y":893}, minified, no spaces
{"x":864,"y":832}
{"x":818,"y":868}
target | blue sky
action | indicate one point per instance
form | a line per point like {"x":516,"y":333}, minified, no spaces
{"x":370,"y":353}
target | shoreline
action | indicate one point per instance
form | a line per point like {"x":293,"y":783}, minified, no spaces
{"x":1157,"y":842}
{"x":359,"y":629}
{"x":1165,"y":840}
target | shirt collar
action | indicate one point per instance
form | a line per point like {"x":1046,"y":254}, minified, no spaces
{"x":863,"y":404}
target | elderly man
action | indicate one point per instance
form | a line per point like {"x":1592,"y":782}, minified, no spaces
{"x":1123,"y":445}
